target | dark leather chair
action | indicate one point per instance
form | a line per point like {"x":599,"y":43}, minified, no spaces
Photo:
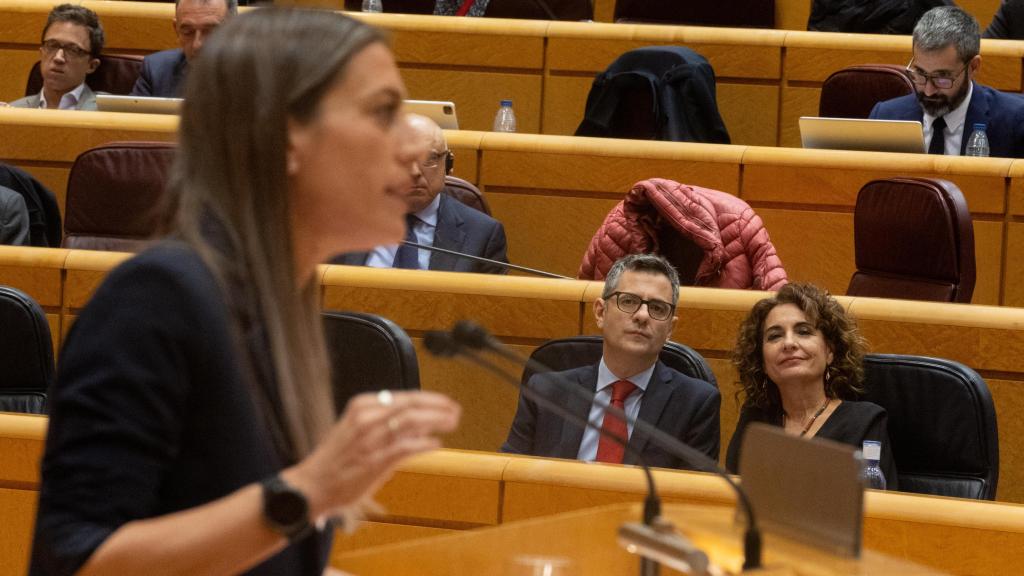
{"x":914,"y":240}
{"x":942,"y":424}
{"x":528,"y":9}
{"x":116,"y":74}
{"x":26,"y":353}
{"x":115,"y":195}
{"x":566,"y":353}
{"x":466,"y":193}
{"x":853,"y":91}
{"x":734,"y":13}
{"x":368,"y":353}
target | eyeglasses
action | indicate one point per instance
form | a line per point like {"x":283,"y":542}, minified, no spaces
{"x":434,"y":159}
{"x":50,"y":47}
{"x":630,"y":303}
{"x":941,"y":81}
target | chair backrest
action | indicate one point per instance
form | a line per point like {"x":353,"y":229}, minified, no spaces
{"x":942,"y":424}
{"x":565,"y":353}
{"x":116,"y":74}
{"x":853,"y":91}
{"x":368,"y":353}
{"x":399,"y":6}
{"x":914,"y":239}
{"x":114,"y":195}
{"x":26,"y":353}
{"x":528,"y":9}
{"x":733,"y":13}
{"x":43,"y":212}
{"x":655,"y":92}
{"x":467,"y":193}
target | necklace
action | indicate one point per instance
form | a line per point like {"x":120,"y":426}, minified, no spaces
{"x":813,"y":418}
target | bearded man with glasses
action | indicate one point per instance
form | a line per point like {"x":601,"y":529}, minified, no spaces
{"x":636,"y":315}
{"x":70,"y":50}
{"x":947,"y":100}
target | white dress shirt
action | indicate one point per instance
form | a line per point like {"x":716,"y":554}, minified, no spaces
{"x":954,"y":132}
{"x":68,"y":101}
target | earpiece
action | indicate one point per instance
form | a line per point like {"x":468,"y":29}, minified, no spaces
{"x":449,"y":162}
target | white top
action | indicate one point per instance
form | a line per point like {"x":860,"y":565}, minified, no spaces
{"x":69,"y":101}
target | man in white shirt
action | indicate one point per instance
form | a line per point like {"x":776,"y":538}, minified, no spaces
{"x":947,"y":101}
{"x":437,"y":219}
{"x":71,"y":44}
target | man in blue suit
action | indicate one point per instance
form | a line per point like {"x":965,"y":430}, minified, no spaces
{"x":947,"y":101}
{"x":636,"y":315}
{"x":163,"y":73}
{"x":438,"y":220}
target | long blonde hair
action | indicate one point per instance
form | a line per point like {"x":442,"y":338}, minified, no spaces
{"x":229,"y":186}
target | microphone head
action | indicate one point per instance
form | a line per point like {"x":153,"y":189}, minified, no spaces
{"x":441,"y":344}
{"x":471,"y":335}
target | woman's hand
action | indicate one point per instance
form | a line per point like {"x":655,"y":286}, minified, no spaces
{"x":375,"y":433}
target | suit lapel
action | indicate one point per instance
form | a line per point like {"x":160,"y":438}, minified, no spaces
{"x":652,"y":406}
{"x":448,"y":235}
{"x":572,"y":435}
{"x":977,"y":111}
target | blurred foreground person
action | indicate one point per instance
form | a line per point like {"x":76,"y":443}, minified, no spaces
{"x":191,"y":428}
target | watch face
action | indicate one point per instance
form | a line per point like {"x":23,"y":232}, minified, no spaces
{"x":284,"y":507}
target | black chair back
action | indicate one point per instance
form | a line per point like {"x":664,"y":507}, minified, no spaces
{"x":368,"y":353}
{"x":566,"y":353}
{"x":942,"y":424}
{"x":26,"y":353}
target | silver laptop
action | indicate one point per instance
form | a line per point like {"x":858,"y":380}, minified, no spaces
{"x":441,"y":112}
{"x":137,"y":104}
{"x":862,"y":134}
{"x":807,"y":490}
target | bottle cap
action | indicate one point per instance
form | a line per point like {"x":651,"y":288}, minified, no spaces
{"x":506,"y":102}
{"x":872,"y":450}
{"x":979,"y":126}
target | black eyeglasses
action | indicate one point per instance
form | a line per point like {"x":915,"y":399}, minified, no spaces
{"x":941,"y":81}
{"x":630,"y":303}
{"x":434,"y":159}
{"x":50,"y":47}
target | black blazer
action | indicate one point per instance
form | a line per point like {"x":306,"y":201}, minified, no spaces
{"x":679,"y":405}
{"x":152,"y":413}
{"x":163,"y":74}
{"x":462,"y":229}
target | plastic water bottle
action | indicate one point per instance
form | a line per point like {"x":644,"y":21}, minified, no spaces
{"x":505,"y":119}
{"x":872,"y":475}
{"x":977,"y":145}
{"x":372,"y":6}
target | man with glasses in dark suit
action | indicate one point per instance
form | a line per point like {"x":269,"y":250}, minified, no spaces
{"x":71,"y":44}
{"x":636,"y":315}
{"x":947,"y":100}
{"x":437,"y":219}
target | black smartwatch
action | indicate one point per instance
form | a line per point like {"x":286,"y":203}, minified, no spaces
{"x":285,"y":509}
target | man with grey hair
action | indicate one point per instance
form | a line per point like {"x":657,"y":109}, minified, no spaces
{"x":948,"y":102}
{"x":163,"y":73}
{"x":636,"y":315}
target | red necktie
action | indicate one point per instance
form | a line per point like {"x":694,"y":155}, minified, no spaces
{"x":609,"y":450}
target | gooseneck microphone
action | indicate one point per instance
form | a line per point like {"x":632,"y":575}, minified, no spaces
{"x":447,"y":344}
{"x":467,"y":337}
{"x":485,"y":260}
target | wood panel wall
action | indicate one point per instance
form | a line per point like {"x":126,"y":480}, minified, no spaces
{"x":766,"y":78}
{"x":528,"y":311}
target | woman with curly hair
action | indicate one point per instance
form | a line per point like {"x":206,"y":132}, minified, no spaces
{"x":799,"y":358}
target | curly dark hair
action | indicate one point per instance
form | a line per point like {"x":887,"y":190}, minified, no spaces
{"x":843,"y":376}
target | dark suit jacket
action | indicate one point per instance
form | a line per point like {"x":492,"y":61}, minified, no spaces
{"x":163,"y":74}
{"x":1002,"y":114}
{"x":462,"y":229}
{"x":1008,"y":21}
{"x":153,"y":412}
{"x":679,"y":405}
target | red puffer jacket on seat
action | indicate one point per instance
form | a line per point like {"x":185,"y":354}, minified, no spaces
{"x":737,"y":250}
